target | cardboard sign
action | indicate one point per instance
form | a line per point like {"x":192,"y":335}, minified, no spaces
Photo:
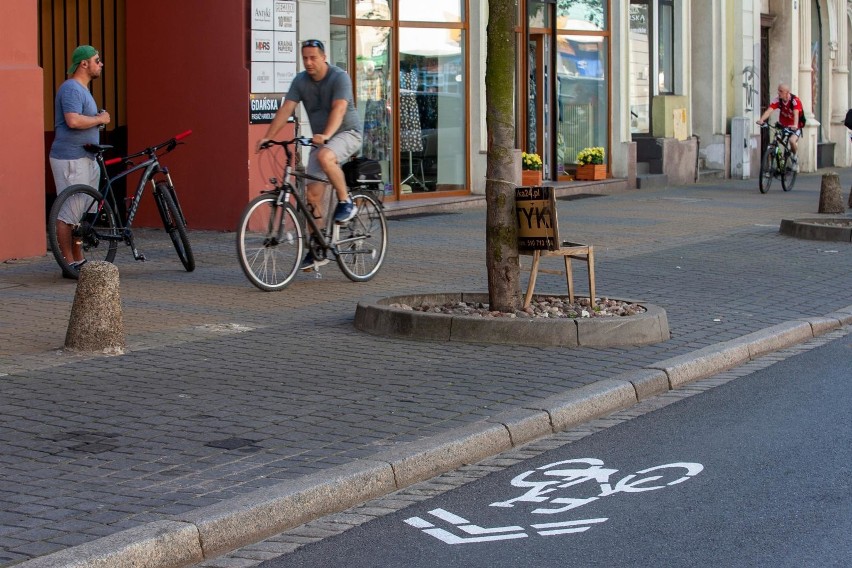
{"x":536,"y":211}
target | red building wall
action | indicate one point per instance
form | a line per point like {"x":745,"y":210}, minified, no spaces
{"x":22,"y":203}
{"x":187,"y":68}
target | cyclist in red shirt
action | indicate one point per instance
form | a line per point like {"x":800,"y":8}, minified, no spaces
{"x":790,"y":108}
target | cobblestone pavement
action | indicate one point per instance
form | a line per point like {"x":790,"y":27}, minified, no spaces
{"x":226,"y":389}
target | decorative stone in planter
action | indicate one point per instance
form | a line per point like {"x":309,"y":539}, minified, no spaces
{"x":591,"y":172}
{"x":386,"y":318}
{"x":530,"y":178}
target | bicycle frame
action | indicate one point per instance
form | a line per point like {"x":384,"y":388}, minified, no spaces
{"x":151,"y":167}
{"x":327,"y":237}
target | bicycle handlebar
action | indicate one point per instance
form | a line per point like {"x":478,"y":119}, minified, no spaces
{"x":777,"y":126}
{"x":302,"y":140}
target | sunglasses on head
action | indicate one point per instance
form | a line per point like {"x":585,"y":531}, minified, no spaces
{"x":314,"y":43}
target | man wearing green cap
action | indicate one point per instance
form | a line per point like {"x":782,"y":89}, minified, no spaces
{"x":76,"y":123}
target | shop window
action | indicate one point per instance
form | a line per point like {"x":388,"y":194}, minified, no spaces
{"x":582,"y":70}
{"x":432,"y":109}
{"x":373,"y":93}
{"x":337,"y":50}
{"x":582,"y":14}
{"x":431,"y":10}
{"x":372,"y":10}
{"x":339,"y":8}
{"x":665,"y":49}
{"x":653,"y":58}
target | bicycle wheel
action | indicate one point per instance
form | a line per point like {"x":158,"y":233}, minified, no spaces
{"x":363,"y":240}
{"x":81,"y":202}
{"x":269,"y":242}
{"x":767,"y":166}
{"x":788,"y":176}
{"x":174,"y":224}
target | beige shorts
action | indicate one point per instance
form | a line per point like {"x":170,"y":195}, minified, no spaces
{"x":72,"y":172}
{"x":344,"y":145}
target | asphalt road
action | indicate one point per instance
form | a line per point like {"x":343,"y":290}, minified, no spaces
{"x":765,"y":479}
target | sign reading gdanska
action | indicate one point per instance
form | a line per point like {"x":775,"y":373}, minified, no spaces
{"x":536,"y":210}
{"x":262,"y":107}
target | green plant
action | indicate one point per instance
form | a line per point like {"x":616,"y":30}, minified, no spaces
{"x":591,"y":156}
{"x":531,"y":161}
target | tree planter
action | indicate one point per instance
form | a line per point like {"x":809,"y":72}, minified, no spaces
{"x":386,"y":318}
{"x":530,"y":178}
{"x":591,"y":172}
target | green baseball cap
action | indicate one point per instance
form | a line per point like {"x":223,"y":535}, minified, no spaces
{"x":82,"y":53}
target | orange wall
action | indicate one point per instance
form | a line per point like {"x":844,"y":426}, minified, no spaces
{"x":187,"y":68}
{"x":22,"y":204}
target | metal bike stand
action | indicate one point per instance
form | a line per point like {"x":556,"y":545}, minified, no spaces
{"x":411,"y":175}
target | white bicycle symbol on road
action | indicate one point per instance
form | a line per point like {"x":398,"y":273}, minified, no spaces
{"x":552,"y":484}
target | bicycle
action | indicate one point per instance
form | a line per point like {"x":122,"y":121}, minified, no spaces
{"x":271,"y":235}
{"x":777,"y":160}
{"x":99,"y":229}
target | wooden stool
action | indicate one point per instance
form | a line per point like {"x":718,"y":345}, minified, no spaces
{"x":567,"y":251}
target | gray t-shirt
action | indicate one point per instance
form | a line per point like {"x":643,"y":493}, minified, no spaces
{"x":68,"y":143}
{"x":317,"y":97}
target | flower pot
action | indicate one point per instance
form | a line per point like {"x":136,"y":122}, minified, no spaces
{"x":591,"y":172}
{"x":530,"y":178}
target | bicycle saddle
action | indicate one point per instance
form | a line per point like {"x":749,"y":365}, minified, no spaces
{"x":96,"y":148}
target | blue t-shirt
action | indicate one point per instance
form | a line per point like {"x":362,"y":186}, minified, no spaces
{"x":68,"y":143}
{"x":317,"y":97}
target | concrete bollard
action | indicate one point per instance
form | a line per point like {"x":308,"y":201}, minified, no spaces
{"x":96,"y":322}
{"x":830,"y":199}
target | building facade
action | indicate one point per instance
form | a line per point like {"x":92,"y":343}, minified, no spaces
{"x":666,"y":87}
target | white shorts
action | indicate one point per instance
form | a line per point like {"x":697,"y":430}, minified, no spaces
{"x":72,"y":172}
{"x":344,"y":145}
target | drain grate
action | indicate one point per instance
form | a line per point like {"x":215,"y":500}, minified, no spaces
{"x":87,"y":441}
{"x":578,"y":196}
{"x":231,"y":443}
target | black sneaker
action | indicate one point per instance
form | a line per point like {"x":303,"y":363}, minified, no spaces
{"x":344,"y":212}
{"x":310,"y":263}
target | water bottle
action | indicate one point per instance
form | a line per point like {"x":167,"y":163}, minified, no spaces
{"x":101,"y":126}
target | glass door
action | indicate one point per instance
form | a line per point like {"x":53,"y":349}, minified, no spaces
{"x":641,"y":68}
{"x":538,"y":99}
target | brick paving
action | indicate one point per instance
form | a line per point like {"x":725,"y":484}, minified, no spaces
{"x":226,"y":389}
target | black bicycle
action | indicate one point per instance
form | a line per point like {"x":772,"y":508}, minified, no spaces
{"x":272,"y":235}
{"x":96,"y":225}
{"x":777,"y":160}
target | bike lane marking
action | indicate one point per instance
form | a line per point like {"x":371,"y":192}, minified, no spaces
{"x":547,"y":489}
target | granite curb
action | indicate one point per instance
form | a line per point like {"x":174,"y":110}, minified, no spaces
{"x":211,"y":531}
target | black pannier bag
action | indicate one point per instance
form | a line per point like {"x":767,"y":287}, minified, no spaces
{"x":363,"y":171}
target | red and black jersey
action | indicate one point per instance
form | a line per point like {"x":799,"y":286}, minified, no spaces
{"x":786,"y":115}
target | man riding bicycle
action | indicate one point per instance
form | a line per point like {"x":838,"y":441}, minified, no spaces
{"x":326,"y":92}
{"x":790,"y":109}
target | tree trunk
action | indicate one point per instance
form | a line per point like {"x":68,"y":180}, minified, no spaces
{"x":501,"y":241}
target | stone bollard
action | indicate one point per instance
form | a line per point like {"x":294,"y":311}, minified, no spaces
{"x":830,"y":199}
{"x":96,"y":322}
